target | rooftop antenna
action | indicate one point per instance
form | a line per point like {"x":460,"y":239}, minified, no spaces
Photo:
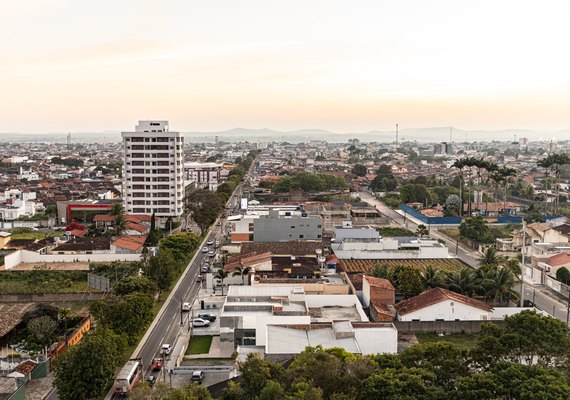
{"x":450,"y":134}
{"x":396,"y":133}
{"x":69,"y":141}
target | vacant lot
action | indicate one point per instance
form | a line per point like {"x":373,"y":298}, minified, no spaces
{"x":43,"y":282}
{"x":465,"y":341}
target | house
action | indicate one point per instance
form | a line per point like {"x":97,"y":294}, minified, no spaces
{"x":286,"y":341}
{"x":103,"y":221}
{"x":442,"y":305}
{"x":379,"y":295}
{"x":128,"y":244}
{"x":248,"y":310}
{"x":389,"y":248}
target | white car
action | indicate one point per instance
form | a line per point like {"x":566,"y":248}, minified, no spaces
{"x":210,"y":242}
{"x":199,"y":322}
{"x":166,"y":349}
{"x":185,"y":306}
{"x":205,"y":249}
{"x":211,"y":254}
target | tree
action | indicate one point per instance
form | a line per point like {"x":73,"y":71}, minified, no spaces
{"x":412,"y":192}
{"x":221,"y":274}
{"x":132,"y":284}
{"x":422,"y":231}
{"x":563,"y":275}
{"x":42,"y":329}
{"x":498,"y":283}
{"x":464,"y":282}
{"x":255,"y":374}
{"x":204,"y":207}
{"x":476,"y":229}
{"x":522,"y":339}
{"x":402,"y":384}
{"x":359,"y":170}
{"x":162,"y":268}
{"x":241,"y":271}
{"x":120,"y":224}
{"x":127,"y":315}
{"x":384,"y":170}
{"x":490,"y":257}
{"x":409,"y":281}
{"x":386,"y":183}
{"x":117,"y":209}
{"x":152,"y":222}
{"x":181,"y":245}
{"x":432,"y":277}
{"x":453,"y":205}
{"x":84,"y":371}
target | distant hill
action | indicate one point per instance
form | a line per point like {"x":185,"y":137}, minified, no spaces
{"x":439,"y":134}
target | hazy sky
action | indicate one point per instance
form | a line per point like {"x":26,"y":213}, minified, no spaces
{"x":340,"y":65}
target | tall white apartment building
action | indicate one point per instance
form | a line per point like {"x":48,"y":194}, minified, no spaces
{"x":153,"y":178}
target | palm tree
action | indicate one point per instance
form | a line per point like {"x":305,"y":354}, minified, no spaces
{"x":117,"y":210}
{"x":499,"y":284}
{"x":464,"y":281}
{"x":490,"y":257}
{"x":221,"y":275}
{"x":241,"y":271}
{"x":120,"y":224}
{"x":432,"y":277}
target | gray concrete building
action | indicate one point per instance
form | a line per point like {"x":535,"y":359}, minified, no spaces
{"x":285,"y":226}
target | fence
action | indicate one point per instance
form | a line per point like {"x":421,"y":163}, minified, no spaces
{"x":430,"y":220}
{"x":441,"y":326}
{"x":509,"y":219}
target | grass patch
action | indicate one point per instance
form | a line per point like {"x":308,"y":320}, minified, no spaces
{"x":389,"y":231}
{"x":199,"y":345}
{"x":44,"y":282}
{"x":464,"y":341}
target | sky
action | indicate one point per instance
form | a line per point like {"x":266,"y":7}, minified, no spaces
{"x":345,"y":66}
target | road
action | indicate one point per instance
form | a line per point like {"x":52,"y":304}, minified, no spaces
{"x":457,"y":249}
{"x":167,"y":324}
{"x":542,"y":297}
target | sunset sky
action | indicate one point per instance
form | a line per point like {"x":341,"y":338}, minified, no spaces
{"x":345,"y":66}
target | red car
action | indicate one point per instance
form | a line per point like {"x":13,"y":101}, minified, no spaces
{"x":156,"y":364}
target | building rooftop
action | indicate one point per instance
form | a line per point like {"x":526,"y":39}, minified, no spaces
{"x":434,"y":296}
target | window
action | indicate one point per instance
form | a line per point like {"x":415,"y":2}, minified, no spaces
{"x":301,"y":236}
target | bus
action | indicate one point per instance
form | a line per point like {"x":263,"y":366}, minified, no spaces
{"x":128,"y":377}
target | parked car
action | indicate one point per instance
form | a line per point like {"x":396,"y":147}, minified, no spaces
{"x":205,"y":249}
{"x":151,"y":380}
{"x":197,"y":376}
{"x":216,"y":244}
{"x":199,"y":322}
{"x":156,"y":364}
{"x":166,"y":349}
{"x":185,"y":306}
{"x":205,"y":268}
{"x":199,"y":278}
{"x":211,"y":254}
{"x":207,"y":316}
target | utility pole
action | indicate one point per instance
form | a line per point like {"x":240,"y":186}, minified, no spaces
{"x":522,"y":263}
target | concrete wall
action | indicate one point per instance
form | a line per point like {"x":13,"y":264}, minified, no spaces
{"x":49,"y":297}
{"x":26,"y":256}
{"x":285,"y":229}
{"x":441,"y":326}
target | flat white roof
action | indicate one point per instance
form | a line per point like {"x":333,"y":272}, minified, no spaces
{"x":237,"y":290}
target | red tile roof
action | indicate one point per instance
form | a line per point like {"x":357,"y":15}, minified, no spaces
{"x":379,"y":283}
{"x":382,"y":309}
{"x":437,"y":295}
{"x":103,"y":218}
{"x":130,"y":242}
{"x":559,"y":259}
{"x":78,"y":232}
{"x":137,"y":227}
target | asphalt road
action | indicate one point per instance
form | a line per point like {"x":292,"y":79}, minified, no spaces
{"x":455,"y":248}
{"x":168,"y":325}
